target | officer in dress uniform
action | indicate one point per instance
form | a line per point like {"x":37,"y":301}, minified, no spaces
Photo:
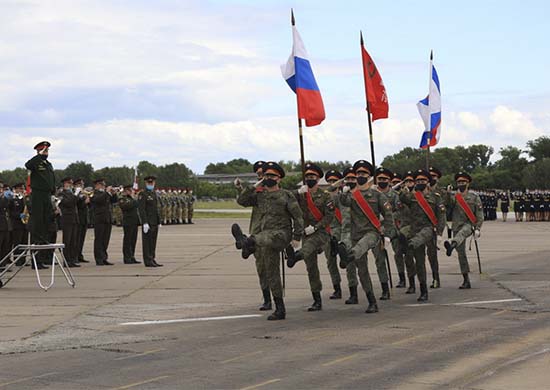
{"x":82,"y":227}
{"x":150,"y":218}
{"x":130,"y":224}
{"x":101,"y":203}
{"x":19,"y":219}
{"x":69,"y":221}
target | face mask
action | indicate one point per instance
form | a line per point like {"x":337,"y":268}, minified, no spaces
{"x":383,"y":185}
{"x":462,"y":187}
{"x":102,"y":190}
{"x":361,"y":180}
{"x":150,"y":187}
{"x":44,"y":156}
{"x":420,"y":186}
{"x":311,"y":183}
{"x":270,"y":182}
{"x":351,"y":185}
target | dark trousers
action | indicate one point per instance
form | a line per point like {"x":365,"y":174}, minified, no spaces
{"x":129,"y":242}
{"x":46,"y":257}
{"x":70,"y":231}
{"x":19,"y":237}
{"x":41,"y":207}
{"x":149,"y":244}
{"x":5,"y":246}
{"x":101,"y":241}
{"x":80,"y":237}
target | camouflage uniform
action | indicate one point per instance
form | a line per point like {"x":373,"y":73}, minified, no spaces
{"x":190,"y":206}
{"x":392,"y":197}
{"x":431,"y":247}
{"x":329,"y":248}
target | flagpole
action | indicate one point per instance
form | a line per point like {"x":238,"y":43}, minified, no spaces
{"x":368,"y":109}
{"x":300,"y":133}
{"x":429,"y":111}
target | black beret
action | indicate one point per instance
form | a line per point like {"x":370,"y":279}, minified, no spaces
{"x":101,"y":180}
{"x":363,"y":164}
{"x":18,"y":185}
{"x":396,"y":176}
{"x":422,"y":172}
{"x":258,"y":165}
{"x":66,"y":179}
{"x":436,"y":171}
{"x":381,"y":171}
{"x":313,"y":168}
{"x":349,"y":171}
{"x":273,"y":166}
{"x":42,"y":145}
{"x":150,"y":178}
{"x":333,"y":173}
{"x":463,"y":175}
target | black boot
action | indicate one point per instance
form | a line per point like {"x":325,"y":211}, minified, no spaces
{"x":385,"y":292}
{"x":249,"y":247}
{"x":280,"y":312}
{"x":401,"y":283}
{"x":435,"y":283}
{"x":423,"y":292}
{"x":345,"y":256}
{"x":293,"y":256}
{"x":373,"y":307}
{"x":449,"y":246}
{"x":353,"y":299}
{"x":267,"y":300}
{"x":317,"y":304}
{"x":466,"y":284}
{"x":238,"y":235}
{"x":412,"y":287}
{"x":337,"y":294}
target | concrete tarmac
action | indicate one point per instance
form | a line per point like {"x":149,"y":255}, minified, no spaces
{"x":195,"y":324}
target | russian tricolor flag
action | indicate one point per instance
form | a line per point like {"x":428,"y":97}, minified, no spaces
{"x":430,"y":111}
{"x":298,"y":74}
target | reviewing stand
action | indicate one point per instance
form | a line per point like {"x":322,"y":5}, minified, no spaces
{"x":28,"y":253}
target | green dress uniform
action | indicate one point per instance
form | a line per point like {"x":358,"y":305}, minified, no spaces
{"x":423,"y":231}
{"x":150,"y":214}
{"x":43,"y":187}
{"x":19,"y":234}
{"x":69,"y":224}
{"x":130,"y":225}
{"x":101,"y":205}
{"x":82,"y":227}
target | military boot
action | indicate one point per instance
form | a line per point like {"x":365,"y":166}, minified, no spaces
{"x":238,"y":235}
{"x":412,"y":287}
{"x":353,"y":299}
{"x":337,"y":294}
{"x":280,"y":312}
{"x":401,"y":283}
{"x":449,"y":246}
{"x":346,"y":256}
{"x":435,"y":283}
{"x":385,"y":292}
{"x":249,"y":247}
{"x":293,"y":256}
{"x":423,"y":292}
{"x":267,"y":300}
{"x":466,"y":284}
{"x":373,"y":307}
{"x":317,"y":303}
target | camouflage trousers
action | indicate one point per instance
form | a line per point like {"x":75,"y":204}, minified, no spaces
{"x":312,"y":246}
{"x":261,"y":268}
{"x":460,"y":236}
{"x":431,"y":249}
{"x":409,"y":254}
{"x":370,"y":241}
{"x":270,"y":243}
{"x":417,"y":251}
{"x":398,"y":255}
{"x":332,"y":264}
{"x":189,"y":213}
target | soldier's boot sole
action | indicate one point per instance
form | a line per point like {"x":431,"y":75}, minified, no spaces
{"x":238,"y":235}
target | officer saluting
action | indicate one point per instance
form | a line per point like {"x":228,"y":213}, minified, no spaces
{"x":150,"y":217}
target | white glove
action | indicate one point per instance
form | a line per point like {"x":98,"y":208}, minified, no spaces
{"x":295,"y":244}
{"x":159,"y":225}
{"x":237,"y":182}
{"x":387,"y":240}
{"x":309,"y":230}
{"x":146,"y":228}
{"x":449,"y":188}
{"x":77,"y":191}
{"x":477,"y":233}
{"x":303,"y":189}
{"x":258,"y":183}
{"x":346,"y":189}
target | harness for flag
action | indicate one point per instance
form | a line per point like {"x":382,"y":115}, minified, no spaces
{"x":299,"y":76}
{"x":430,"y":111}
{"x":377,"y":99}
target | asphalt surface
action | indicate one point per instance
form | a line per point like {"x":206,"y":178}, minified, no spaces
{"x":103,"y":334}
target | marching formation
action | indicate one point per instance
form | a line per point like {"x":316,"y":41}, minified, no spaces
{"x":362,"y":210}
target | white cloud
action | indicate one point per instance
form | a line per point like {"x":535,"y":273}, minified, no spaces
{"x":471,"y":120}
{"x":510,"y":122}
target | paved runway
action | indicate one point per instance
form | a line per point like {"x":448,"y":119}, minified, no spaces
{"x":194,"y":323}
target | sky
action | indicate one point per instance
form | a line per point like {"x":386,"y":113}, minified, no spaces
{"x":116,"y":82}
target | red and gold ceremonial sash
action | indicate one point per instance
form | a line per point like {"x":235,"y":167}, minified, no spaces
{"x":464,"y":206}
{"x":338,"y":215}
{"x":317,"y":214}
{"x":426,"y":207}
{"x":367,"y":210}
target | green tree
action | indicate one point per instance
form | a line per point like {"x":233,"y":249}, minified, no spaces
{"x":238,"y":165}
{"x":80,"y":169}
{"x":537,"y":174}
{"x":539,"y":148}
{"x":174,"y":175}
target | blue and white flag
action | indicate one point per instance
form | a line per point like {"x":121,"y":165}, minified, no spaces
{"x":430,"y":111}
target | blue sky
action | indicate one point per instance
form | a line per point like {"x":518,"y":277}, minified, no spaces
{"x":116,"y":82}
